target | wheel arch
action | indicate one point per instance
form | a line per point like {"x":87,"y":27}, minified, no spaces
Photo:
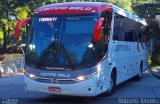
{"x":114,"y":71}
{"x":141,"y":65}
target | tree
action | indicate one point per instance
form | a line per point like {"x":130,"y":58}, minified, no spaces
{"x":140,"y":2}
{"x":34,"y":4}
{"x":125,"y":4}
{"x":13,"y":10}
{"x":7,"y":14}
{"x":149,"y":9}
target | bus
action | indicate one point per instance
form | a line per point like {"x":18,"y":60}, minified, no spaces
{"x":82,"y":48}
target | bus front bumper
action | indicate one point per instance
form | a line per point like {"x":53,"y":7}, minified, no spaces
{"x":84,"y":88}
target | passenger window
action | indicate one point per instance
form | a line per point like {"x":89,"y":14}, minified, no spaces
{"x":146,"y":33}
{"x":117,"y":29}
{"x":129,"y":36}
{"x":135,"y":34}
{"x":140,"y":36}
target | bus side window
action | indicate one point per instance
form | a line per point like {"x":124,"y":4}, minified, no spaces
{"x":146,"y":33}
{"x":117,"y":29}
{"x":140,"y":36}
{"x":102,"y":45}
{"x":135,"y":34}
{"x":107,"y":15}
{"x":129,"y":36}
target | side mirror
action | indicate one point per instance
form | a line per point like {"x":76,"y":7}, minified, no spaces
{"x":97,"y":30}
{"x":20,"y":24}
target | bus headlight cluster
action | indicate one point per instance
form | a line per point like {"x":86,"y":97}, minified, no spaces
{"x":29,"y":75}
{"x":86,"y":77}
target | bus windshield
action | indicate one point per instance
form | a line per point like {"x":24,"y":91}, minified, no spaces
{"x":61,"y":42}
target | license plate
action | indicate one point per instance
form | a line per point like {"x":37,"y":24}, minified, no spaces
{"x":54,"y":89}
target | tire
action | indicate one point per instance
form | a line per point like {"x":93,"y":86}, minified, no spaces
{"x":111,"y":90}
{"x":139,"y":76}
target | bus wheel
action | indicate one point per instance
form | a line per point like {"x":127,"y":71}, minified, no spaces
{"x":112,"y":84}
{"x":139,"y":76}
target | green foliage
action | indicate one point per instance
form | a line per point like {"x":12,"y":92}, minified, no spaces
{"x":147,"y":11}
{"x":1,"y":38}
{"x":154,"y":29}
{"x":125,"y":4}
{"x":13,"y":10}
{"x":7,"y":13}
{"x":141,"y":2}
{"x":155,"y":58}
{"x":22,"y":12}
{"x":4,"y":24}
{"x":34,"y":4}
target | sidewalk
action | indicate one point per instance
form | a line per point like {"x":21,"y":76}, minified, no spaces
{"x":8,"y":75}
{"x":155,"y":71}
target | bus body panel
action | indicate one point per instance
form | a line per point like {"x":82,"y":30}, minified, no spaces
{"x":79,"y":89}
{"x":98,"y":84}
{"x":127,"y":64}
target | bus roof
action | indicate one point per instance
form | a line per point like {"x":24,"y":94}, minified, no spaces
{"x":73,"y":8}
{"x":85,"y":8}
{"x":128,"y":15}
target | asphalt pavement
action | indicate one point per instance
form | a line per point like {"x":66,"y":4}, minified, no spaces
{"x":147,"y":89}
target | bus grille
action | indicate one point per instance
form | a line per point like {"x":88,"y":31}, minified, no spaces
{"x":56,"y":81}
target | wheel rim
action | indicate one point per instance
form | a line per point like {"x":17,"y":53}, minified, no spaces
{"x":111,"y":84}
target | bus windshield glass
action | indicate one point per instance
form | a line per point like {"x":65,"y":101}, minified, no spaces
{"x":64,"y":42}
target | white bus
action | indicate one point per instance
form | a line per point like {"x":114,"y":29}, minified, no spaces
{"x":83,"y":48}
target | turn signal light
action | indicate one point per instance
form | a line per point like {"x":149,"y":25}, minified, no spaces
{"x":24,"y":71}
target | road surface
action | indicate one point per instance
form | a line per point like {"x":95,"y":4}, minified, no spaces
{"x":148,"y":89}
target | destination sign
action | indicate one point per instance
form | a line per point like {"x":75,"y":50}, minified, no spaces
{"x":65,"y":8}
{"x":48,"y":19}
{"x":55,"y":75}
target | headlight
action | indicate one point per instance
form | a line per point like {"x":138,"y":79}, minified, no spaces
{"x":86,"y":77}
{"x":29,"y":75}
{"x":81,"y":78}
{"x":32,"y":76}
